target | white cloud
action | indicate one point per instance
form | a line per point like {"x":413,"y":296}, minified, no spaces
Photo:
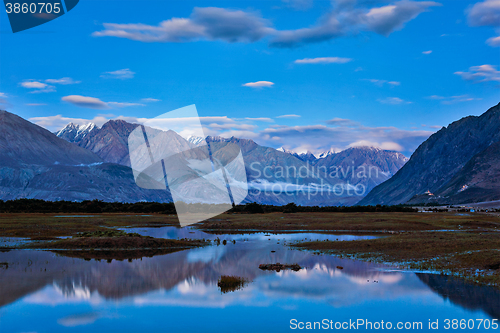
{"x":342,"y":135}
{"x":37,"y":86}
{"x":453,"y":99}
{"x":384,"y":145}
{"x":341,"y":122}
{"x":380,"y":83}
{"x":211,"y":23}
{"x":121,"y":74}
{"x":85,"y":102}
{"x":392,"y":101}
{"x":485,"y":13}
{"x":33,"y":85}
{"x":289,"y":116}
{"x":213,"y":125}
{"x":483,"y":73}
{"x":258,"y":84}
{"x":123,"y":104}
{"x":3,"y":102}
{"x":387,"y":19}
{"x":150,"y":100}
{"x":220,"y":127}
{"x":427,"y":52}
{"x":324,"y":60}
{"x":204,"y":24}
{"x":493,"y":41}
{"x":339,"y":133}
{"x":328,"y":28}
{"x":35,"y":104}
{"x":167,"y":123}
{"x":63,"y":81}
{"x":96,"y":103}
{"x":350,"y":17}
{"x":54,"y":123}
{"x":269,"y":120}
{"x":436,"y":97}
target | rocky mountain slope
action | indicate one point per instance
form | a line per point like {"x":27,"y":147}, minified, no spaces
{"x":378,"y":165}
{"x":108,"y":142}
{"x":22,"y":142}
{"x":312,"y":183}
{"x":35,"y":163}
{"x":458,"y":164}
{"x":76,"y":133}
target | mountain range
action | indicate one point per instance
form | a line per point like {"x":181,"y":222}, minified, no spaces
{"x":35,"y":163}
{"x":309,"y":156}
{"x":110,"y":142}
{"x":458,"y":164}
{"x":266,"y":168}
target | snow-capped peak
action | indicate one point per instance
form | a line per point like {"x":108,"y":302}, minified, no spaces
{"x":74,"y":132}
{"x":67,"y":128}
{"x":284,"y":150}
{"x":85,"y":129}
{"x":326,"y":153}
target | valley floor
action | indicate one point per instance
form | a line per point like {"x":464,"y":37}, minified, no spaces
{"x":452,"y":243}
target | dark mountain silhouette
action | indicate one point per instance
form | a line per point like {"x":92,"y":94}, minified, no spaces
{"x":458,"y":164}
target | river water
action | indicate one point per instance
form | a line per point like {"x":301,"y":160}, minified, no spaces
{"x":42,"y":291}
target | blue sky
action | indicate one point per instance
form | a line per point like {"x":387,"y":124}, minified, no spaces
{"x":304,"y":74}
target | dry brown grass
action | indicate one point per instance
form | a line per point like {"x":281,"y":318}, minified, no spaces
{"x":37,"y":226}
{"x":229,"y":283}
{"x":348,"y":222}
{"x":474,"y":255}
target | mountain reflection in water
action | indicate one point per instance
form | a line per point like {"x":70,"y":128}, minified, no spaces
{"x":181,"y":288}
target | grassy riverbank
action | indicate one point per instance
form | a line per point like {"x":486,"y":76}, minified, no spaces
{"x":38,"y":226}
{"x":91,"y":232}
{"x":472,"y":254}
{"x":463,"y":244}
{"x":353,"y":222}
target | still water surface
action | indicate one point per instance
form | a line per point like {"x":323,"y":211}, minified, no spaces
{"x":42,"y":291}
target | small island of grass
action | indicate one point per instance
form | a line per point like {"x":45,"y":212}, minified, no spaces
{"x":228,"y":283}
{"x":115,"y":240}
